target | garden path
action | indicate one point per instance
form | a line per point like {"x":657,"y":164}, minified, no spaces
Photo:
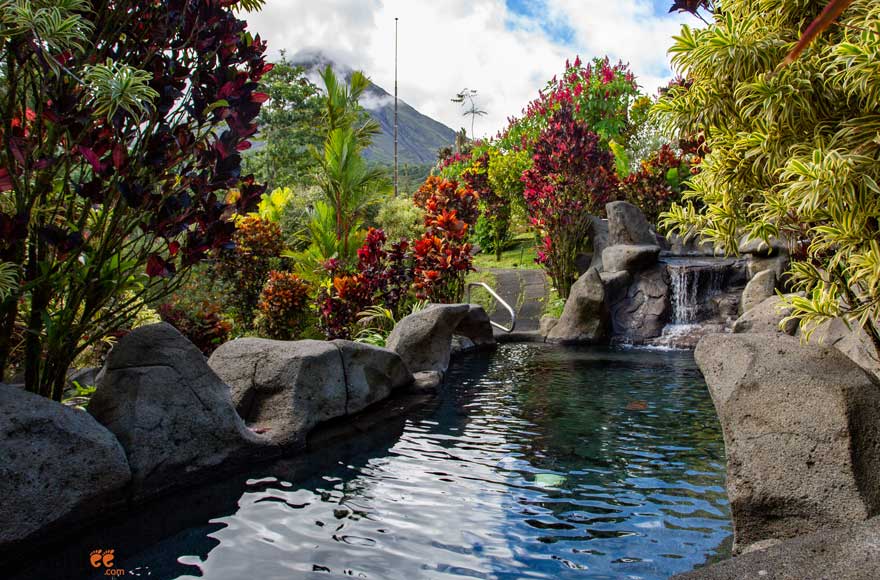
{"x":527,"y":291}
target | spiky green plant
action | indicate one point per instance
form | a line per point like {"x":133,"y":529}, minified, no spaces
{"x":795,"y":151}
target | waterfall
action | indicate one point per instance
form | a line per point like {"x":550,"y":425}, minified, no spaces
{"x":685,"y":288}
{"x":691,"y":286}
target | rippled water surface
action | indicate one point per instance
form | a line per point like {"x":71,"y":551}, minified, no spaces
{"x":535,"y":462}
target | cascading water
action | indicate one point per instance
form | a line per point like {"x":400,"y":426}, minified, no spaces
{"x":694,"y":283}
{"x":691,"y":286}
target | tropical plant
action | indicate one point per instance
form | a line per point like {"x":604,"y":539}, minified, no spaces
{"x":467,"y":98}
{"x":505,"y":177}
{"x":659,"y":181}
{"x":290,"y":123}
{"x":196,"y":309}
{"x":399,"y":218}
{"x":495,"y":209}
{"x":442,"y":255}
{"x":381,"y":278}
{"x":284,"y":306}
{"x":377,"y":322}
{"x":598,"y":95}
{"x":348,"y":183}
{"x":121,"y":129}
{"x":572,"y":178}
{"x":297,"y":215}
{"x":323,"y":245}
{"x":793,"y":148}
{"x":273,"y":205}
{"x":245,"y":267}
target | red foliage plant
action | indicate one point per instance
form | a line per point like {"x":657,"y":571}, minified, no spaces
{"x":284,"y":305}
{"x":598,"y":94}
{"x":659,"y":181}
{"x":382,"y":276}
{"x":572,"y":177}
{"x":102,"y":194}
{"x":443,"y":255}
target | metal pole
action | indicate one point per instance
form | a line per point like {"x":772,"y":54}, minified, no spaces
{"x":395,"y":108}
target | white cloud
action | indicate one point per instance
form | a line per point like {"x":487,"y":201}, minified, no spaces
{"x":375,"y":102}
{"x":447,"y":45}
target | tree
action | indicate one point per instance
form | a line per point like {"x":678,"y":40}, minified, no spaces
{"x":121,"y":129}
{"x":793,"y":148}
{"x":494,"y":222}
{"x":572,"y":177}
{"x":467,"y":99}
{"x":505,"y":176}
{"x":348,"y":183}
{"x":599,"y":94}
{"x":290,"y":123}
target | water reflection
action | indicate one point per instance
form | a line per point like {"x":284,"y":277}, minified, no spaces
{"x":535,"y":463}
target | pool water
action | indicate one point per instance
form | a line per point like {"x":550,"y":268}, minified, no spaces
{"x":534,"y":462}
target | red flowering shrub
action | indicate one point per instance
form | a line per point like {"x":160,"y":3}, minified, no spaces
{"x":572,"y":177}
{"x":658,"y":182}
{"x":381,"y":277}
{"x":246,"y":266}
{"x":443,"y":255}
{"x":202,"y":323}
{"x":284,"y":305}
{"x":598,"y":93}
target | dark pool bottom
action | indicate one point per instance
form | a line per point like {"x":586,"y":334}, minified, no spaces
{"x":535,"y":462}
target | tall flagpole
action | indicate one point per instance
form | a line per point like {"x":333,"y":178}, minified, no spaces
{"x":395,"y":107}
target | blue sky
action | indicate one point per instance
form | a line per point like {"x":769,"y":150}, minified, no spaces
{"x":506,"y":49}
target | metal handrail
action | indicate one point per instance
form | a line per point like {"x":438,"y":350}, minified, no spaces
{"x":500,"y":301}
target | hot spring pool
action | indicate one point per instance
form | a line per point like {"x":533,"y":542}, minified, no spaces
{"x":534,"y":462}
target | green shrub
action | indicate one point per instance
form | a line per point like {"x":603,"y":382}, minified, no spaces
{"x":793,"y":148}
{"x":399,"y":218}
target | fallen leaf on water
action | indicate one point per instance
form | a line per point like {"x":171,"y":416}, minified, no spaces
{"x":637,"y":405}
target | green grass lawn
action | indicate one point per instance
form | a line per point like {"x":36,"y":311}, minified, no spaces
{"x":520,"y":254}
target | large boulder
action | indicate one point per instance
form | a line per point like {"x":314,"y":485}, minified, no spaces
{"x":758,"y":247}
{"x":584,"y":319}
{"x":850,"y":339}
{"x":800,"y":430}
{"x":778,"y":264}
{"x":599,"y":235}
{"x":423,"y":339}
{"x":173,"y":416}
{"x":628,"y":225}
{"x":629,"y":257}
{"x":372,"y":373}
{"x":694,"y":246}
{"x":547,"y":324}
{"x":759,"y":288}
{"x":477,"y":327}
{"x":848,"y":553}
{"x":766,"y":316}
{"x":616,"y":284}
{"x":57,"y":466}
{"x":643,"y":310}
{"x":283,"y":389}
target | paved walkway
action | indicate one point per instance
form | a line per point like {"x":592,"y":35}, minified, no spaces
{"x":526,"y":291}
